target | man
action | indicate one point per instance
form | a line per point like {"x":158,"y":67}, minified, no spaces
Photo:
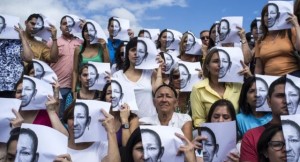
{"x":81,"y":119}
{"x":64,"y":66}
{"x":153,"y":149}
{"x":27,"y":146}
{"x":40,"y":50}
{"x":291,"y":133}
{"x":225,"y":63}
{"x":142,"y":52}
{"x":93,"y":74}
{"x":204,"y":36}
{"x":210,"y":146}
{"x":117,"y":94}
{"x":292,"y":92}
{"x":112,"y":44}
{"x":277,"y":102}
{"x":28,"y":92}
{"x":185,"y":75}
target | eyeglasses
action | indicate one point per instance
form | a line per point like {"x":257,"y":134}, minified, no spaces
{"x":277,"y":145}
{"x":204,"y":37}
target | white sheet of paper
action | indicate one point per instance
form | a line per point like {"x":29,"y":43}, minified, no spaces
{"x":263,"y":83}
{"x":226,"y":143}
{"x":122,"y":93}
{"x":292,"y":94}
{"x":146,"y":54}
{"x":230,"y":35}
{"x":121,"y":32}
{"x":87,"y":127}
{"x":230,"y":64}
{"x":50,"y":143}
{"x":7,"y":27}
{"x":173,"y":39}
{"x":151,"y":34}
{"x":35,"y":93}
{"x":171,"y":61}
{"x":43,"y":71}
{"x":278,"y":22}
{"x":6,"y":114}
{"x":194,"y":44}
{"x":45,"y":34}
{"x":188,"y":75}
{"x":258,"y":25}
{"x":95,"y":31}
{"x":97,"y":76}
{"x":73,"y":22}
{"x":169,"y":142}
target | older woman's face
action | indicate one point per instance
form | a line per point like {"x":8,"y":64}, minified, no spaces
{"x":165,"y":100}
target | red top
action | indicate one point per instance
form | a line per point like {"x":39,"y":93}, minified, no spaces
{"x":42,"y":118}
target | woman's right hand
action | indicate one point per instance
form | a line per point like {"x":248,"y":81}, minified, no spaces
{"x":124,"y":113}
{"x":187,"y":149}
{"x":16,"y":122}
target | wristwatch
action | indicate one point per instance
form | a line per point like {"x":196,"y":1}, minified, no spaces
{"x":125,"y":126}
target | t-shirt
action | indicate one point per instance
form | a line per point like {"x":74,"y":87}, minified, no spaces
{"x":95,"y":153}
{"x":11,"y":66}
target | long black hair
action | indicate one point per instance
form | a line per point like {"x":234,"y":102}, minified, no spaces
{"x":131,"y":44}
{"x":243,"y":104}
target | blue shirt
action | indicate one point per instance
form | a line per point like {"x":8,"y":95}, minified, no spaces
{"x":112,"y":47}
{"x":246,"y":122}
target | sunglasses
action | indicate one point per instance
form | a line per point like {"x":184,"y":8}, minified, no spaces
{"x":204,"y":37}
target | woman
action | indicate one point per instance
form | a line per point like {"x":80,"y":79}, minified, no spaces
{"x":119,"y":58}
{"x":122,"y":118}
{"x":88,"y":52}
{"x":248,"y":117}
{"x":220,"y":111}
{"x":271,"y":145}
{"x":143,"y":81}
{"x":275,"y":48}
{"x":134,"y":151}
{"x":92,"y":151}
{"x":209,"y":90}
{"x":165,"y":101}
{"x":161,"y":43}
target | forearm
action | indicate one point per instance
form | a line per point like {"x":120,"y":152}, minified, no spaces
{"x":246,"y":52}
{"x":27,"y":54}
{"x":113,"y":154}
{"x":187,"y":130}
{"x":157,"y":79}
{"x":74,"y":80}
{"x":56,"y":123}
{"x":54,"y":51}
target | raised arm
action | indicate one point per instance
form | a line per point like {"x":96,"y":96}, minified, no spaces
{"x":75,"y":69}
{"x":26,"y":54}
{"x":54,"y":48}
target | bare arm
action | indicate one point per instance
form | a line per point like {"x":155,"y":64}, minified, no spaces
{"x":187,"y":129}
{"x":245,"y":47}
{"x":27,"y":54}
{"x":258,"y":66}
{"x":75,"y":68}
{"x":156,"y":78}
{"x":54,"y":48}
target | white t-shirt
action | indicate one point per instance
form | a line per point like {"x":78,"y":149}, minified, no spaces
{"x":177,"y":120}
{"x":143,"y":92}
{"x":95,"y":153}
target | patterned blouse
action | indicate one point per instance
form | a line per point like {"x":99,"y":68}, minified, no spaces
{"x":11,"y":65}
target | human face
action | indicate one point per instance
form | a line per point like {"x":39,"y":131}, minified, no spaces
{"x":224,"y":64}
{"x":272,"y":15}
{"x":213,"y":33}
{"x":261,"y":93}
{"x":165,"y":100}
{"x":292,"y":98}
{"x":274,"y":155}
{"x":19,"y":91}
{"x":70,"y":23}
{"x":151,"y":147}
{"x":108,"y":96}
{"x":132,"y":55}
{"x":208,"y":147}
{"x":27,"y":92}
{"x":189,"y":42}
{"x":205,"y":38}
{"x":30,"y":26}
{"x":84,"y":78}
{"x":221,"y":114}
{"x":292,"y":142}
{"x":92,"y":77}
{"x":38,"y":25}
{"x":184,"y":75}
{"x":64,"y":27}
{"x":138,"y":152}
{"x":90,"y":32}
{"x":141,"y":52}
{"x":11,"y":151}
{"x":214,"y":65}
{"x":163,"y":40}
{"x":25,"y":148}
{"x":277,"y":102}
{"x":224,"y":28}
{"x":116,"y":28}
{"x":80,"y":120}
{"x":170,"y":38}
{"x":168,"y":61}
{"x":251,"y":96}
{"x":116,"y":94}
{"x":38,"y":70}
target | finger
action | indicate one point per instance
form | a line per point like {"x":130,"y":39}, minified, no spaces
{"x":182,"y":137}
{"x":16,"y":113}
{"x":243,"y":63}
{"x":105,"y":113}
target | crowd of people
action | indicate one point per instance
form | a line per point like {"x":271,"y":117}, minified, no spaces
{"x":260,"y":135}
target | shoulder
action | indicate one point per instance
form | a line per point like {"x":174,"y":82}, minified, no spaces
{"x":183,"y":117}
{"x":201,"y":84}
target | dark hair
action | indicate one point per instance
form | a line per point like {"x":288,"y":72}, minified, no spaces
{"x":253,"y":24}
{"x":209,"y":131}
{"x":14,"y":136}
{"x":134,"y":138}
{"x":203,"y":31}
{"x":35,"y":15}
{"x":228,"y":25}
{"x":34,"y":137}
{"x":69,"y":112}
{"x":61,"y":20}
{"x":119,"y":54}
{"x":165,"y":85}
{"x":104,"y":92}
{"x":131,"y":44}
{"x":278,"y":81}
{"x":221,"y":102}
{"x":28,"y":68}
{"x":243,"y":103}
{"x":263,"y":142}
{"x":158,"y":44}
{"x":211,"y":41}
{"x":292,"y":124}
{"x":43,"y":73}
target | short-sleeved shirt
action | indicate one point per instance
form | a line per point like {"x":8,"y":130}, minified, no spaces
{"x":11,"y":66}
{"x":95,"y":153}
{"x":40,"y":50}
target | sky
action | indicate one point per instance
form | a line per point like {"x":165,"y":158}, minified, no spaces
{"x":180,"y":15}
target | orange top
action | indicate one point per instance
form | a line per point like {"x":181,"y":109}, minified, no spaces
{"x":277,"y":55}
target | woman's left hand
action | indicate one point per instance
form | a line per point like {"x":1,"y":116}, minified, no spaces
{"x":51,"y":104}
{"x":124,"y":113}
{"x":245,"y":71}
{"x":233,"y":156}
{"x":293,"y":20}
